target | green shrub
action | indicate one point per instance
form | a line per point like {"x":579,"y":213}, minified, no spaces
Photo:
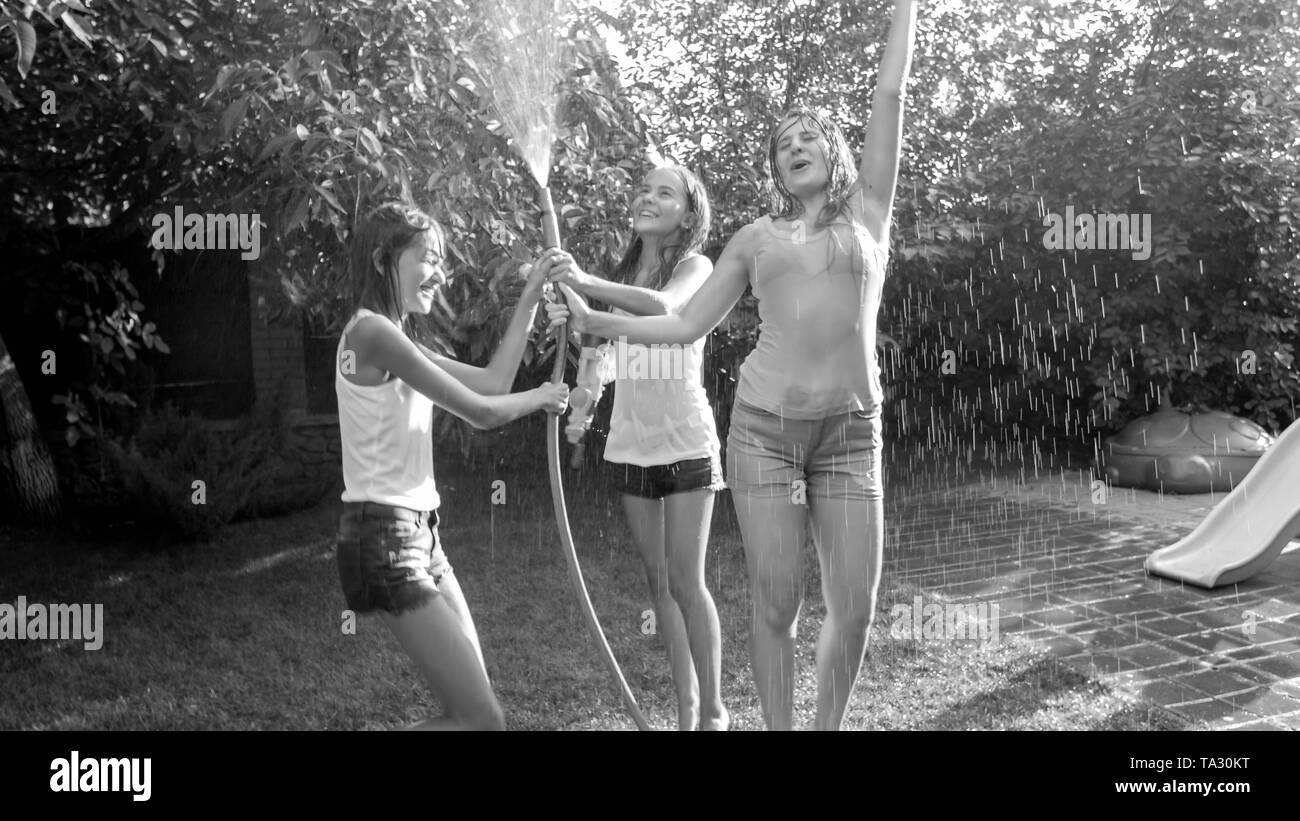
{"x":288,"y":495}
{"x":171,"y":453}
{"x":91,"y":483}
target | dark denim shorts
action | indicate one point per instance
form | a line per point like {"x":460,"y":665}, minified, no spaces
{"x":658,"y":481}
{"x":389,"y":558}
{"x":837,"y":457}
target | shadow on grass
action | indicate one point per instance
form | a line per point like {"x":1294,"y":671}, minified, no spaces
{"x":246,"y":632}
{"x":1036,"y":694}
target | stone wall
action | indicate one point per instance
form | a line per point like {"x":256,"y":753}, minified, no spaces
{"x":316,"y":439}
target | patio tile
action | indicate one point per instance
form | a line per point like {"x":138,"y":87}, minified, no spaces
{"x":1214,"y":620}
{"x":1123,"y":606}
{"x":1064,"y":646}
{"x":1101,"y":663}
{"x":1182,"y":609}
{"x":1215,"y":682}
{"x":1252,"y":726}
{"x":1266,"y":703}
{"x":1251,"y":674}
{"x":1209,"y":710}
{"x":1291,"y":722}
{"x":1218,"y":641}
{"x":1111,"y":639}
{"x":1149,"y":655}
{"x":1280,"y":666}
{"x":1289,"y":687}
{"x":1168,"y":692}
{"x":1172,"y":626}
{"x":1247,"y":652}
{"x":1058,"y":617}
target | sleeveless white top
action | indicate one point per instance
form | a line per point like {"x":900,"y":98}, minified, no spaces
{"x":661,"y":413}
{"x":385,"y":438}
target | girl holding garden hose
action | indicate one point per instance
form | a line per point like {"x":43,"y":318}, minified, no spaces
{"x":804,"y":449}
{"x":662,"y":437}
{"x":390,"y":559}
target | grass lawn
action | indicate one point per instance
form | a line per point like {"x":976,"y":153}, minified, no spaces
{"x":245,"y":632}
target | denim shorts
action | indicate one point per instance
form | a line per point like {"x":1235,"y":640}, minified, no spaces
{"x":836,"y":457}
{"x":389,"y":558}
{"x":658,"y":481}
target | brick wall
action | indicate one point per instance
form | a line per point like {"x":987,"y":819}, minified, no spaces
{"x":277,"y":354}
{"x":279,"y":377}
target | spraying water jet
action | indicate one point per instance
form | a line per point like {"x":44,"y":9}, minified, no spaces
{"x":521,"y":62}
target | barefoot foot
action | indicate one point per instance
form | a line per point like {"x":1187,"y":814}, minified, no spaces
{"x":718,"y":723}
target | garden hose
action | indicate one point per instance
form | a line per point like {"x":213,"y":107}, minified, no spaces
{"x":551,"y":231}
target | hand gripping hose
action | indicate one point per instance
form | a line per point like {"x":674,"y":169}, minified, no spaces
{"x":551,"y":231}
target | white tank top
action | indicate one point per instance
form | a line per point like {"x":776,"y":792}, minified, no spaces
{"x":385,"y":438}
{"x":661,"y":413}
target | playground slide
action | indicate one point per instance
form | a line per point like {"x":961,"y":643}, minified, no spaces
{"x":1246,"y":531}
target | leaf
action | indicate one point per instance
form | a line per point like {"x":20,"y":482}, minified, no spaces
{"x":7,"y":95}
{"x":232,"y":117}
{"x":330,"y":198}
{"x":276,"y":143}
{"x":75,"y":28}
{"x":297,"y":213}
{"x":223,"y":78}
{"x":310,"y":34}
{"x":371,"y":142}
{"x":160,"y":346}
{"x":26,"y":35}
{"x":301,"y":131}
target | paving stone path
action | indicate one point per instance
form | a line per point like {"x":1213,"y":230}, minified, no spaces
{"x":1068,"y":574}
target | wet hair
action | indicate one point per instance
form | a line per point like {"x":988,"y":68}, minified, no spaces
{"x":388,"y":229}
{"x":842,"y":172}
{"x":683,"y":241}
{"x":840,"y":168}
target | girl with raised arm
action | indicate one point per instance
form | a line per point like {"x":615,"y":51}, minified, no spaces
{"x":661,"y":432}
{"x":805,"y":425}
{"x":389,"y":556}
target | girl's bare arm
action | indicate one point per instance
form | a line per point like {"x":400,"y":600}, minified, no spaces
{"x":706,"y":308}
{"x":878,"y":172}
{"x":378,"y":342}
{"x":499,"y":375}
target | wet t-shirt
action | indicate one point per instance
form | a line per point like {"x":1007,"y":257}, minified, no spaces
{"x":818,"y":297}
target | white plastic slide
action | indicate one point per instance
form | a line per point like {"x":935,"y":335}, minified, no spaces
{"x":1246,"y":531}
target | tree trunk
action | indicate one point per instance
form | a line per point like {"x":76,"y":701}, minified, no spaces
{"x":27,"y":478}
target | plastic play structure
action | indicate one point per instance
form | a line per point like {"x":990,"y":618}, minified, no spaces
{"x":1178,"y":452}
{"x":1246,"y":531}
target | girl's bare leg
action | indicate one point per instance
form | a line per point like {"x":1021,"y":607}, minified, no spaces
{"x":774,"y":530}
{"x":450,"y":587}
{"x":687,"y":517}
{"x":849,"y":535}
{"x":434,"y":636}
{"x":646,"y":519}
